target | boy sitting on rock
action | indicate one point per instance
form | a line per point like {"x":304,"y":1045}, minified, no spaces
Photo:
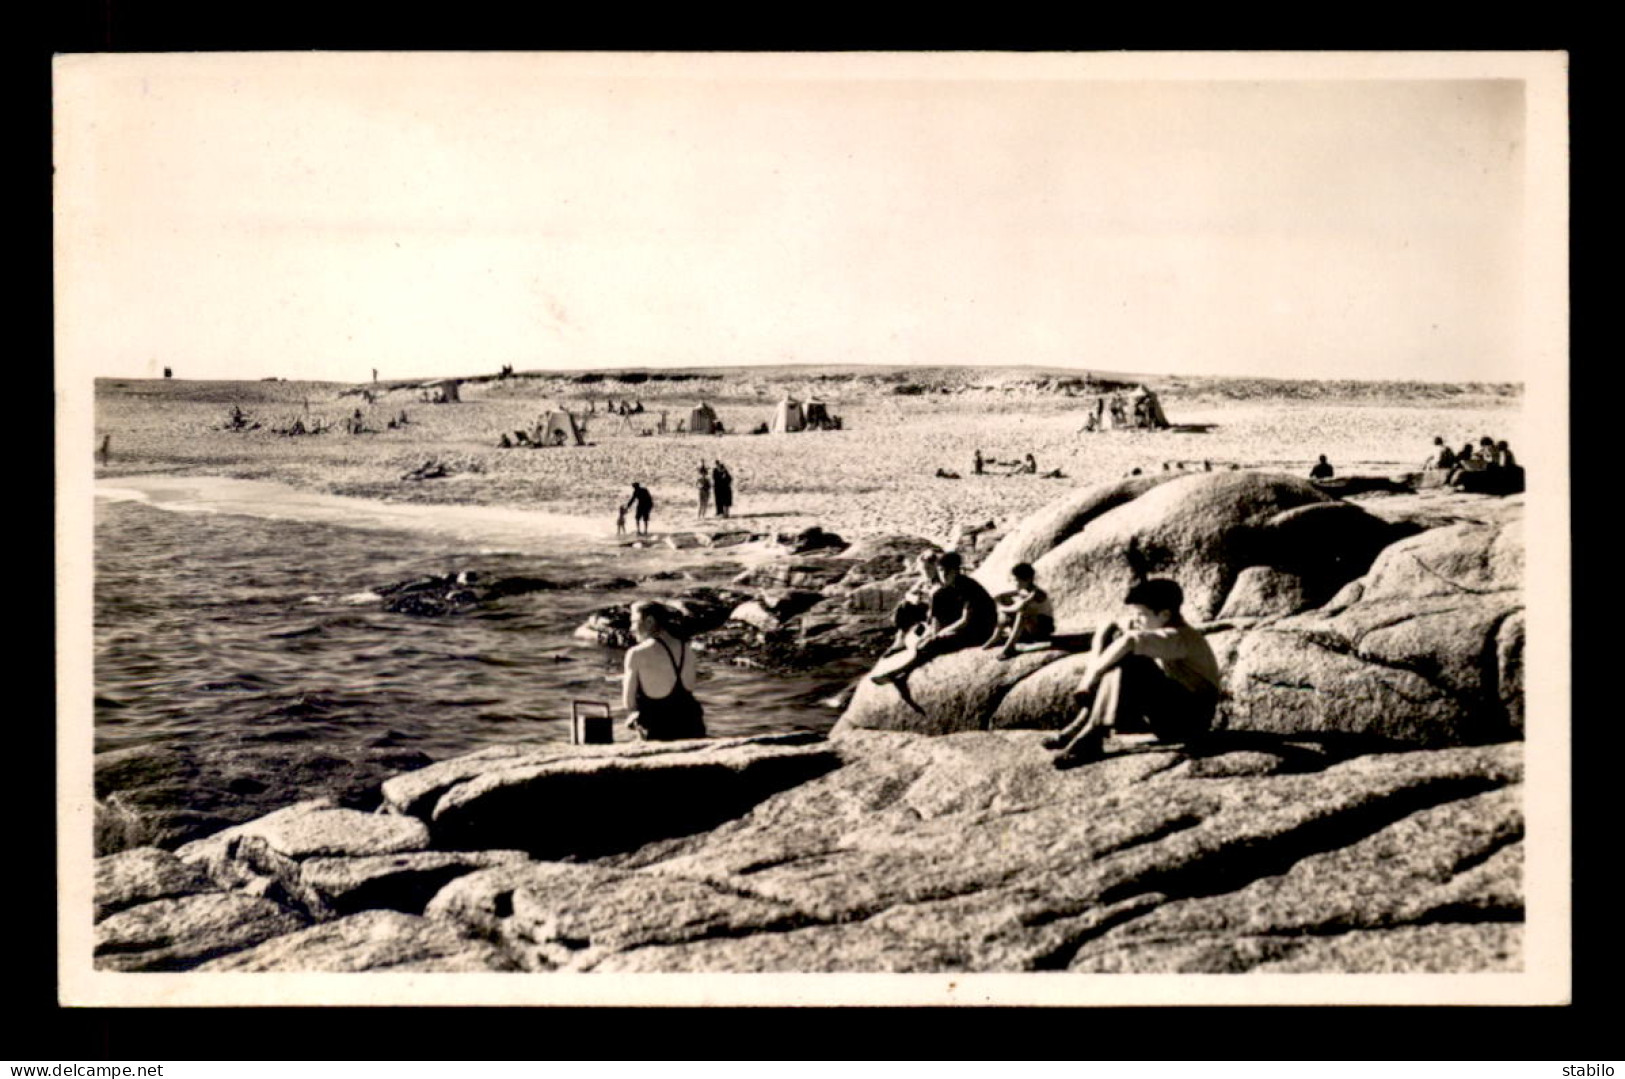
{"x":1025,"y":612}
{"x":1157,"y":671}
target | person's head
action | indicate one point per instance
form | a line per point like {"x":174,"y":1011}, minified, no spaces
{"x":949,"y":565}
{"x":1438,"y":440}
{"x":1502,"y":446}
{"x":1323,"y":458}
{"x":1486,"y":441}
{"x":649,"y":618}
{"x":1155,"y":603}
{"x":1023,"y":573}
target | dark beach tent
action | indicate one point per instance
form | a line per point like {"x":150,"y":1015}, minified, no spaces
{"x":814,"y":414}
{"x":1154,"y":415}
{"x":557,"y":428}
{"x":446,"y":391}
{"x":702,"y":420}
{"x":787,"y":416}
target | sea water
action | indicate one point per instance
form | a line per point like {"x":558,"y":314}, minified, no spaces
{"x":244,"y":661}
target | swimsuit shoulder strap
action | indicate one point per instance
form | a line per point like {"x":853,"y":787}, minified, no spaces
{"x":676,"y":664}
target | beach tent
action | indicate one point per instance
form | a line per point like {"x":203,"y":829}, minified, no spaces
{"x":787,"y":416}
{"x":447,"y":391}
{"x":814,"y":414}
{"x":1151,"y":407}
{"x":557,"y":428}
{"x":702,"y":420}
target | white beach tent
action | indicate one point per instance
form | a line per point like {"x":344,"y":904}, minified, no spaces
{"x":787,"y":416}
{"x":557,"y":428}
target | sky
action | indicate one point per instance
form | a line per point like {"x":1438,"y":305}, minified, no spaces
{"x":323,"y":215}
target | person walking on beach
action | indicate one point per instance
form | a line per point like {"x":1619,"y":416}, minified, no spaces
{"x":976,"y":463}
{"x":657,"y":689}
{"x":642,"y":504}
{"x":704,"y":485}
{"x":722,"y":489}
{"x":107,"y":448}
{"x":1158,"y":670}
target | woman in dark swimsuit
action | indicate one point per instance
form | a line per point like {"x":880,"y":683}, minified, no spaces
{"x":658,"y":691}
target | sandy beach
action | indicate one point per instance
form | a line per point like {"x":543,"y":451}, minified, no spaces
{"x":878,"y":474}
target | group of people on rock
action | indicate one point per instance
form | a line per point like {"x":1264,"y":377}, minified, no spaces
{"x":1147,"y":671}
{"x":947,"y":610}
{"x":1488,"y":456}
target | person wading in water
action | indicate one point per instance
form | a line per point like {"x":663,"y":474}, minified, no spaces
{"x":642,"y":504}
{"x":658,"y":690}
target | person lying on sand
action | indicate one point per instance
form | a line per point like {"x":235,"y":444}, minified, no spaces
{"x":944,"y":474}
{"x":1158,"y":671}
{"x":1025,"y":611}
{"x":962,"y":616}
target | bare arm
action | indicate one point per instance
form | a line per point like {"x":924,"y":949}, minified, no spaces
{"x":629,"y":684}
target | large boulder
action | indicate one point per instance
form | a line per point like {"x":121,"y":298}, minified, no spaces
{"x":1201,"y":530}
{"x":1330,"y":619}
{"x":555,"y":805}
{"x":179,"y":934}
{"x":960,"y":691}
{"x":567,"y":917}
{"x":372,"y":941}
{"x":1425,"y":649}
{"x":317,"y":827}
{"x":143,"y":874}
{"x":401,"y":882}
{"x":1043,"y":531}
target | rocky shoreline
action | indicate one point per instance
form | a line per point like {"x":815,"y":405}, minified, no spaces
{"x":1360,"y":808}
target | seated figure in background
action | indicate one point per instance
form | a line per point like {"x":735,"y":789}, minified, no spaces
{"x":1026,"y":615}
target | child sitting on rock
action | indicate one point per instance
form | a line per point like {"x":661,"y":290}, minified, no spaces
{"x":1026,"y":613}
{"x":1156,"y":672}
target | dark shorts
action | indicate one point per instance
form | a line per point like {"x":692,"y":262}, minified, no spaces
{"x":1149,"y":700}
